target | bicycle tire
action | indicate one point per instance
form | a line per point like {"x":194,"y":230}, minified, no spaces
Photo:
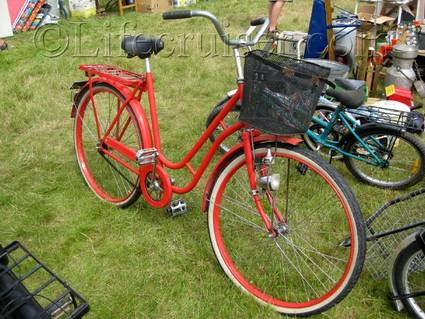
{"x":404,"y":144}
{"x":236,"y":264}
{"x":231,"y":141}
{"x":121,"y":189}
{"x":401,"y":271}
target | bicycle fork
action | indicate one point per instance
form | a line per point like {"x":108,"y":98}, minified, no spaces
{"x":255,"y":193}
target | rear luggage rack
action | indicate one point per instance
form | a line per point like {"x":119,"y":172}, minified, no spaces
{"x":412,"y":122}
{"x":113,"y":73}
{"x":28,"y":289}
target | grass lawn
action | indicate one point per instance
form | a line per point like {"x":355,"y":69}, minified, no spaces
{"x":139,"y":262}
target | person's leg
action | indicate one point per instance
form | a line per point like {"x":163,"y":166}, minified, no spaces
{"x":275,"y":9}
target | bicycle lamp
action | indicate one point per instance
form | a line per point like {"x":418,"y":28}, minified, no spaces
{"x":271,"y":182}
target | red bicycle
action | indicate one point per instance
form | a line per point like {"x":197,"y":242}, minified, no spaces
{"x":277,"y":213}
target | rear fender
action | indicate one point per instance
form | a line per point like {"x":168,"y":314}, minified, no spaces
{"x":78,"y":88}
{"x":261,"y":139}
{"x":83,"y":87}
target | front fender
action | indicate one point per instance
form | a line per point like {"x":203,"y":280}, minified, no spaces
{"x":235,"y":151}
{"x":137,"y":109}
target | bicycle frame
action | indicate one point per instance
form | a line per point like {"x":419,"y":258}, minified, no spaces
{"x":153,"y":130}
{"x":132,"y":99}
{"x":349,"y":123}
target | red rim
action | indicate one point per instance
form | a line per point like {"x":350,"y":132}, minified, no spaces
{"x":81,"y":154}
{"x":245,"y":283}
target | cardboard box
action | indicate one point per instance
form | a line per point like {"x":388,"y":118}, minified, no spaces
{"x":152,"y":6}
{"x":367,"y":14}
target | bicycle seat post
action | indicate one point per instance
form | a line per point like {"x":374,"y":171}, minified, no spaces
{"x":152,"y":104}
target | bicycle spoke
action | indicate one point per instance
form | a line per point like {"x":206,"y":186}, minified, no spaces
{"x":246,"y":221}
{"x":242,"y":205}
{"x":315,"y":251}
{"x":291,"y":243}
{"x":89,"y":130}
{"x":296,"y":268}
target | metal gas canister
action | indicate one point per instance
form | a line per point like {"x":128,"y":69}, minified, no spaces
{"x":401,"y":73}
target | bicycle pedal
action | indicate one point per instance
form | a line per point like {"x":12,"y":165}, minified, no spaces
{"x":177,"y":207}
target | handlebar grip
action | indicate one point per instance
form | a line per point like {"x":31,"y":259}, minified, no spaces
{"x":180,"y":14}
{"x":257,"y":22}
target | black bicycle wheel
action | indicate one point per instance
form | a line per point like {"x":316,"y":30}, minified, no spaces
{"x":409,"y":278}
{"x":229,"y":120}
{"x":403,"y":153}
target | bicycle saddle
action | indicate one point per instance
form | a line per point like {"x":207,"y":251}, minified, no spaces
{"x":352,"y":94}
{"x":348,"y":84}
{"x":141,"y":46}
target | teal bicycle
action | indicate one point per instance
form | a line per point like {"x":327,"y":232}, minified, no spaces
{"x":377,"y":146}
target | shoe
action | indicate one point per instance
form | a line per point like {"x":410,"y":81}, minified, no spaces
{"x":3,"y":45}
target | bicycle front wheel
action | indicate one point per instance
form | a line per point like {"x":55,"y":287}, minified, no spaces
{"x":304,"y":269}
{"x":409,"y":279}
{"x":401,"y":153}
{"x":109,"y":179}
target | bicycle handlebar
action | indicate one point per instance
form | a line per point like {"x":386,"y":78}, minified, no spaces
{"x":257,"y":22}
{"x":185,"y":14}
{"x":180,"y":14}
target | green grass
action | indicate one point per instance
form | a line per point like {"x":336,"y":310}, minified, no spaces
{"x":139,"y":262}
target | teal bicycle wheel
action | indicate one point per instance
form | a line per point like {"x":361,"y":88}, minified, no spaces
{"x":402,"y":154}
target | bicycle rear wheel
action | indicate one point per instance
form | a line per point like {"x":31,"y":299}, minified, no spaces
{"x":304,"y":270}
{"x":409,"y":278}
{"x":403,"y":154}
{"x":107,"y":178}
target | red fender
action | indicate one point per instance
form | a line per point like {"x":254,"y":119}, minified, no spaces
{"x":226,"y":158}
{"x":134,"y":103}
